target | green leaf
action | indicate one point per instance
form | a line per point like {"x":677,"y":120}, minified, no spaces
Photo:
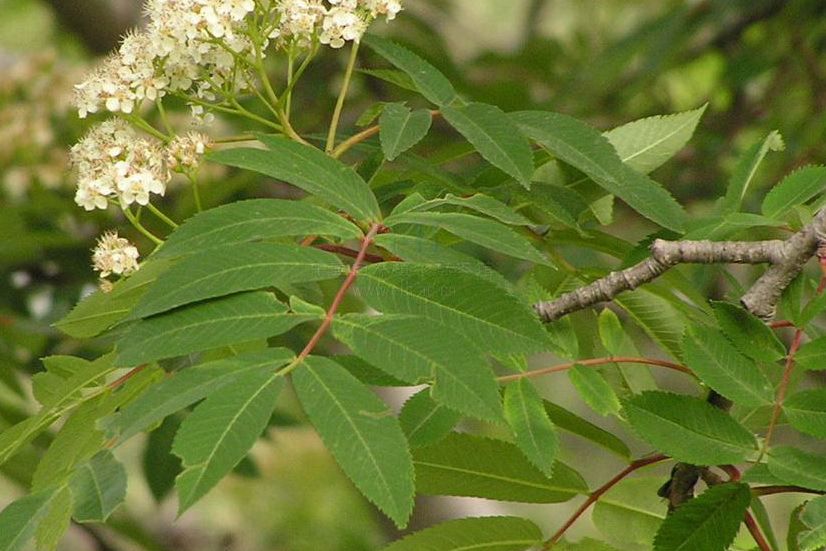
{"x":637,"y":377}
{"x":746,"y":169}
{"x":712,"y":358}
{"x":798,"y":467}
{"x":101,"y":311}
{"x":806,"y":411}
{"x":426,"y":251}
{"x":656,"y":316}
{"x":468,"y":465}
{"x":795,"y":189}
{"x":160,"y":466}
{"x":533,"y":431}
{"x":814,"y":517}
{"x":75,"y":374}
{"x":631,"y":511}
{"x":594,"y":389}
{"x":360,"y":432}
{"x":812,"y":355}
{"x":496,"y":137}
{"x":494,"y":320}
{"x":98,"y":487}
{"x":688,"y":429}
{"x":485,"y":232}
{"x":218,"y":322}
{"x":708,"y":522}
{"x":478,"y":534}
{"x":425,"y":421}
{"x":570,"y":422}
{"x":219,"y":433}
{"x":401,"y":128}
{"x":648,"y":143}
{"x":432,"y":84}
{"x":309,"y":169}
{"x":748,"y":333}
{"x":480,"y":203}
{"x":415,"y":350}
{"x":239,"y":267}
{"x":187,"y":387}
{"x":796,"y":528}
{"x":19,"y":520}
{"x":56,"y":521}
{"x":253,"y":220}
{"x":584,"y":148}
{"x":367,"y":373}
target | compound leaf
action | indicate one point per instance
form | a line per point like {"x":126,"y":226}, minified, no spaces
{"x":688,"y":429}
{"x":254,"y":220}
{"x":360,"y":432}
{"x":646,"y":144}
{"x":218,"y":322}
{"x":584,"y":148}
{"x":219,"y":433}
{"x":239,"y":267}
{"x":309,"y":169}
{"x":431,"y":83}
{"x":402,"y":128}
{"x":496,"y":321}
{"x":708,"y":522}
{"x":496,"y":137}
{"x":533,"y":431}
{"x":467,"y":465}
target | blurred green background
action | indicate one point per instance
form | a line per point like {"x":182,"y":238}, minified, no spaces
{"x":759,"y":64}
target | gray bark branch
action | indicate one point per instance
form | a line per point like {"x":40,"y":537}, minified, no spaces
{"x":786,"y":258}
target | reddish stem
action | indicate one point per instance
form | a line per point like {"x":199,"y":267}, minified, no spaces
{"x":784,"y":386}
{"x":594,"y":362}
{"x":772,"y":490}
{"x":122,"y":380}
{"x":596,"y":494}
{"x":342,"y":292}
{"x":338,"y":249}
{"x":780,"y":324}
{"x":756,"y":533}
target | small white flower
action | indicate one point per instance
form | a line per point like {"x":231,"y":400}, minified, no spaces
{"x":114,"y":255}
{"x":184,"y":152}
{"x":114,"y":162}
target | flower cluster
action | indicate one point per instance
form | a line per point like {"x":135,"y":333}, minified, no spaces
{"x":35,"y":107}
{"x":192,"y":47}
{"x":114,"y":255}
{"x":186,"y":43}
{"x":114,"y":161}
{"x":334,"y":22}
{"x":184,"y":152}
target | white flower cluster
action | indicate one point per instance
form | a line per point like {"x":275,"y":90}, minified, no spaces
{"x":114,"y":161}
{"x":334,"y":24}
{"x":114,"y":255}
{"x":191,"y":46}
{"x":184,"y":41}
{"x":184,"y":152}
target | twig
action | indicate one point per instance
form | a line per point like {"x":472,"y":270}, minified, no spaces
{"x":772,"y":490}
{"x":337,"y":300}
{"x":756,"y":533}
{"x":596,"y":494}
{"x":787,"y":259}
{"x":593,"y":362}
{"x":338,"y":249}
